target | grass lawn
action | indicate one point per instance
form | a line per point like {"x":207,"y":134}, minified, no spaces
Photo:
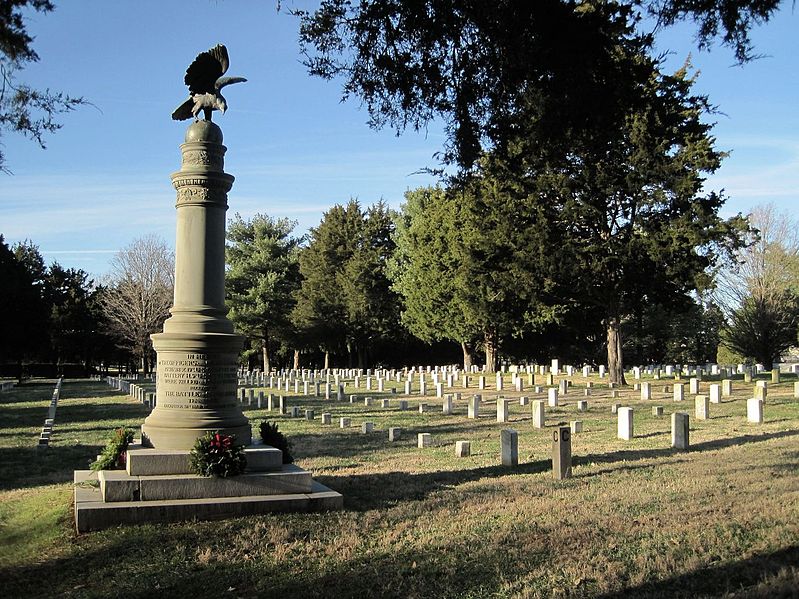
{"x":637,"y":519}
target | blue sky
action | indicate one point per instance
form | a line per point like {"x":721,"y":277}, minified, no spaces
{"x":293,"y":147}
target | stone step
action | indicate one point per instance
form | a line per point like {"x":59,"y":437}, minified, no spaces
{"x":92,"y":513}
{"x":118,"y":485}
{"x":150,"y":462}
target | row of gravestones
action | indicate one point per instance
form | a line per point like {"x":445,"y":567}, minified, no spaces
{"x":49,"y":422}
{"x":134,"y":390}
{"x":680,"y":424}
{"x":7,"y":385}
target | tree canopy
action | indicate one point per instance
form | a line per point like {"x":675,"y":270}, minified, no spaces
{"x":477,"y":65}
{"x":262,"y":277}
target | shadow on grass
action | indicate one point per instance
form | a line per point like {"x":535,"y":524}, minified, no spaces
{"x":364,"y":492}
{"x":642,"y":454}
{"x":24,"y":467}
{"x":717,"y":581}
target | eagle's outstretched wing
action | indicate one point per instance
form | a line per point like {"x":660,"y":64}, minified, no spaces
{"x":183,"y":112}
{"x":223,"y":81}
{"x":209,"y":66}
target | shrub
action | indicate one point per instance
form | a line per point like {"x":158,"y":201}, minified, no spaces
{"x":271,"y":436}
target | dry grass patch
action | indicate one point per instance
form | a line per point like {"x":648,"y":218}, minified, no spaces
{"x":637,"y":519}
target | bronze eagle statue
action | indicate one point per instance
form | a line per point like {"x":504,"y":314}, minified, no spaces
{"x":205,"y":81}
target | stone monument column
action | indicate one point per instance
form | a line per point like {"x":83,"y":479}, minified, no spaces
{"x":198,"y":351}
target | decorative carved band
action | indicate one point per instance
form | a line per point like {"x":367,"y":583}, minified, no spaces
{"x":204,"y":157}
{"x":201,"y":196}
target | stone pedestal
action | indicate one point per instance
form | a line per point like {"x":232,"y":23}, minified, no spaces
{"x":198,"y":350}
{"x":197,"y":372}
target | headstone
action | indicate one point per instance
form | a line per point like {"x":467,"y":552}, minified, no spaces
{"x":538,"y":413}
{"x":509,"y":440}
{"x":582,"y":405}
{"x":625,"y":425}
{"x":552,"y":397}
{"x":657,"y":410}
{"x":775,"y":375}
{"x":394,"y":433}
{"x":424,"y":440}
{"x":561,"y":453}
{"x":367,"y":427}
{"x":524,"y":400}
{"x":403,"y":405}
{"x":474,"y":406}
{"x":576,"y":426}
{"x":422,"y":408}
{"x":344,"y":422}
{"x":462,"y":449}
{"x":693,"y":386}
{"x":326,"y":417}
{"x":614,"y":408}
{"x":702,"y":407}
{"x":680,"y":430}
{"x":447,"y":405}
{"x":726,"y":388}
{"x":679,"y":392}
{"x":281,"y":404}
{"x":796,"y":390}
{"x":754,"y":410}
{"x":646,"y":390}
{"x":385,"y":403}
{"x":715,"y":393}
{"x":295,"y":411}
{"x":502,"y":409}
{"x":761,"y":392}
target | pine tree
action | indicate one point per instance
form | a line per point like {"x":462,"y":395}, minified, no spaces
{"x":263,"y":275}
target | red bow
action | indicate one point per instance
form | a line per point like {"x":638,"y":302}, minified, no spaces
{"x":221,"y":441}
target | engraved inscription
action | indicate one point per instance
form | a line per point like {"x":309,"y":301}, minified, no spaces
{"x":196,"y":381}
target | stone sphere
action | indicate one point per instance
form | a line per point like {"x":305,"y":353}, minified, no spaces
{"x":204,"y":131}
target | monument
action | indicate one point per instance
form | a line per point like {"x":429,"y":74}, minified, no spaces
{"x":197,"y":361}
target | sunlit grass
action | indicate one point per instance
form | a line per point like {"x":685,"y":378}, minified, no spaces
{"x":637,"y":519}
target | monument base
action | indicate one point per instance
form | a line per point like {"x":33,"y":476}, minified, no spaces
{"x":157,"y":486}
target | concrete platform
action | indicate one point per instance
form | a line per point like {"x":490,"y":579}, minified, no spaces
{"x":118,"y":485}
{"x":152,"y":462}
{"x":92,"y":513}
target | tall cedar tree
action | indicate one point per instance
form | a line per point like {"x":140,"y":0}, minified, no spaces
{"x":262,"y":277}
{"x":345,"y":302}
{"x":627,"y":223}
{"x":472,"y":63}
{"x":463,"y":266}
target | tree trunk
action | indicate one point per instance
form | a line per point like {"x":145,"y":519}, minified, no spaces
{"x":296,"y":359}
{"x":265,"y":353}
{"x":490,"y":343}
{"x":467,"y":355}
{"x":615,"y":365}
{"x":327,"y":359}
{"x":362,"y":357}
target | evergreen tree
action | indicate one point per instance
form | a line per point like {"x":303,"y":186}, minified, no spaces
{"x":345,"y":302}
{"x":465,"y":265}
{"x":474,"y":65}
{"x":74,"y":321}
{"x":262,"y":278}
